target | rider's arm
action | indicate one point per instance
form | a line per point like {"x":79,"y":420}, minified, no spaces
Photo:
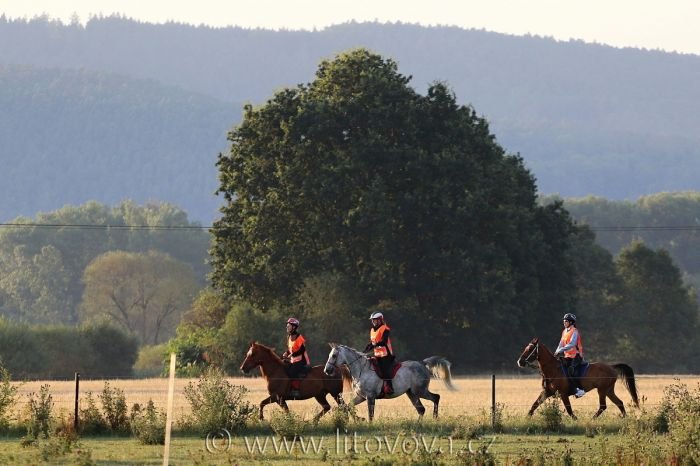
{"x":571,"y":344}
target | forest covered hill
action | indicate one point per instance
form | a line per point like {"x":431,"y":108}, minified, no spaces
{"x":122,"y":109}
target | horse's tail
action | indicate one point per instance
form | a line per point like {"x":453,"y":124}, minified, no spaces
{"x":440,"y":368}
{"x":623,"y":370}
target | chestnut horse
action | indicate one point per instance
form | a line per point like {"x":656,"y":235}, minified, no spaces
{"x":316,"y":384}
{"x":599,"y":376}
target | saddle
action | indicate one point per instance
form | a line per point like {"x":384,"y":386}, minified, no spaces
{"x":578,"y":373}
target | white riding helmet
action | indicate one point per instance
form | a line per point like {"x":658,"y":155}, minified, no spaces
{"x":377,"y":315}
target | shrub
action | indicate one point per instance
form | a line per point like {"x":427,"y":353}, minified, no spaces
{"x":287,"y":424}
{"x":341,"y":415}
{"x":91,"y":420}
{"x":148,"y":425}
{"x":551,"y":415}
{"x":114,"y":407}
{"x":683,"y":411}
{"x":216,"y":404}
{"x":8,"y":394}
{"x":40,"y":413}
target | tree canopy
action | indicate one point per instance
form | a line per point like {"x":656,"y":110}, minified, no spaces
{"x":407,"y":196}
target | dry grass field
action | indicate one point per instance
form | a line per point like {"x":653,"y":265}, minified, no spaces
{"x":514,"y":394}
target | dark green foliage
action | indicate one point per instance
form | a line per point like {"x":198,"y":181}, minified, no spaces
{"x":56,"y":351}
{"x":660,"y":319}
{"x":407,"y":198}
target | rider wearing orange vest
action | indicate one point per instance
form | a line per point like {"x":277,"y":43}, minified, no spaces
{"x":571,"y":346}
{"x":380,"y":341}
{"x":296,"y":350}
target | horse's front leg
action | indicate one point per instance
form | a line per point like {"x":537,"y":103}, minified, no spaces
{"x":370,"y":408}
{"x":540,"y":399}
{"x":567,"y":405}
{"x":264,"y":403}
{"x":283,"y":404}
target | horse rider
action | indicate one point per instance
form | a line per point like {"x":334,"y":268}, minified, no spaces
{"x":380,"y":342}
{"x":571,"y":346}
{"x":296,"y":350}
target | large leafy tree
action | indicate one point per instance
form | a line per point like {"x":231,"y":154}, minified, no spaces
{"x":408,"y":196}
{"x":145,"y":294}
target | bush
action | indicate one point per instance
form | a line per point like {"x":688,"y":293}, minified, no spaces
{"x":682,"y":408}
{"x":40,"y":413}
{"x":148,"y":425}
{"x":551,"y":415}
{"x":287,"y":425}
{"x":8,"y":394}
{"x":114,"y":407}
{"x":216,"y":404}
{"x":91,"y":420}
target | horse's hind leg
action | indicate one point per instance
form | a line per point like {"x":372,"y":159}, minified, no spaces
{"x":618,"y":402}
{"x":338,"y":397}
{"x":415,"y":400}
{"x":601,"y":402}
{"x":324,"y":404}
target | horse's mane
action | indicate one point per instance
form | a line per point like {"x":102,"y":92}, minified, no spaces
{"x":357,"y":352}
{"x":271,"y":351}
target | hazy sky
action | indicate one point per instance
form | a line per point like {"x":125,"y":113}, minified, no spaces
{"x":672,"y":25}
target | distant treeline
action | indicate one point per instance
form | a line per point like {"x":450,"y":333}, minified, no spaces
{"x":665,"y":220}
{"x":42,"y":352}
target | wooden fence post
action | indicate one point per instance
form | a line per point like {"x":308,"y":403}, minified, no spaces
{"x":76,"y":414}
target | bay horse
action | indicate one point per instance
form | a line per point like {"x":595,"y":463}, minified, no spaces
{"x":316,"y":384}
{"x":599,"y":376}
{"x":412,"y":378}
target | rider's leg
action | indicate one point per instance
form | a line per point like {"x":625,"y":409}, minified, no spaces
{"x":385,"y":364}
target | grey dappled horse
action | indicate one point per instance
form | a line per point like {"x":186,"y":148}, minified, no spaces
{"x":412,"y":378}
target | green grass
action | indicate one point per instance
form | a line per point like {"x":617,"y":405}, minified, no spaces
{"x":462,"y":440}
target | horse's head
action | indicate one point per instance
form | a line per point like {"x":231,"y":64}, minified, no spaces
{"x":529,"y":355}
{"x":332,"y":360}
{"x":254,"y":357}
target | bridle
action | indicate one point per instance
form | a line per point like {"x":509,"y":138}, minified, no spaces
{"x":533,"y":352}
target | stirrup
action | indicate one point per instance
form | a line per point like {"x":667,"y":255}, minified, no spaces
{"x":579,"y":393}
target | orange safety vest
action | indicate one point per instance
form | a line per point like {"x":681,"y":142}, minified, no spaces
{"x":375,"y":336}
{"x":295,"y":345}
{"x":566,"y":339}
